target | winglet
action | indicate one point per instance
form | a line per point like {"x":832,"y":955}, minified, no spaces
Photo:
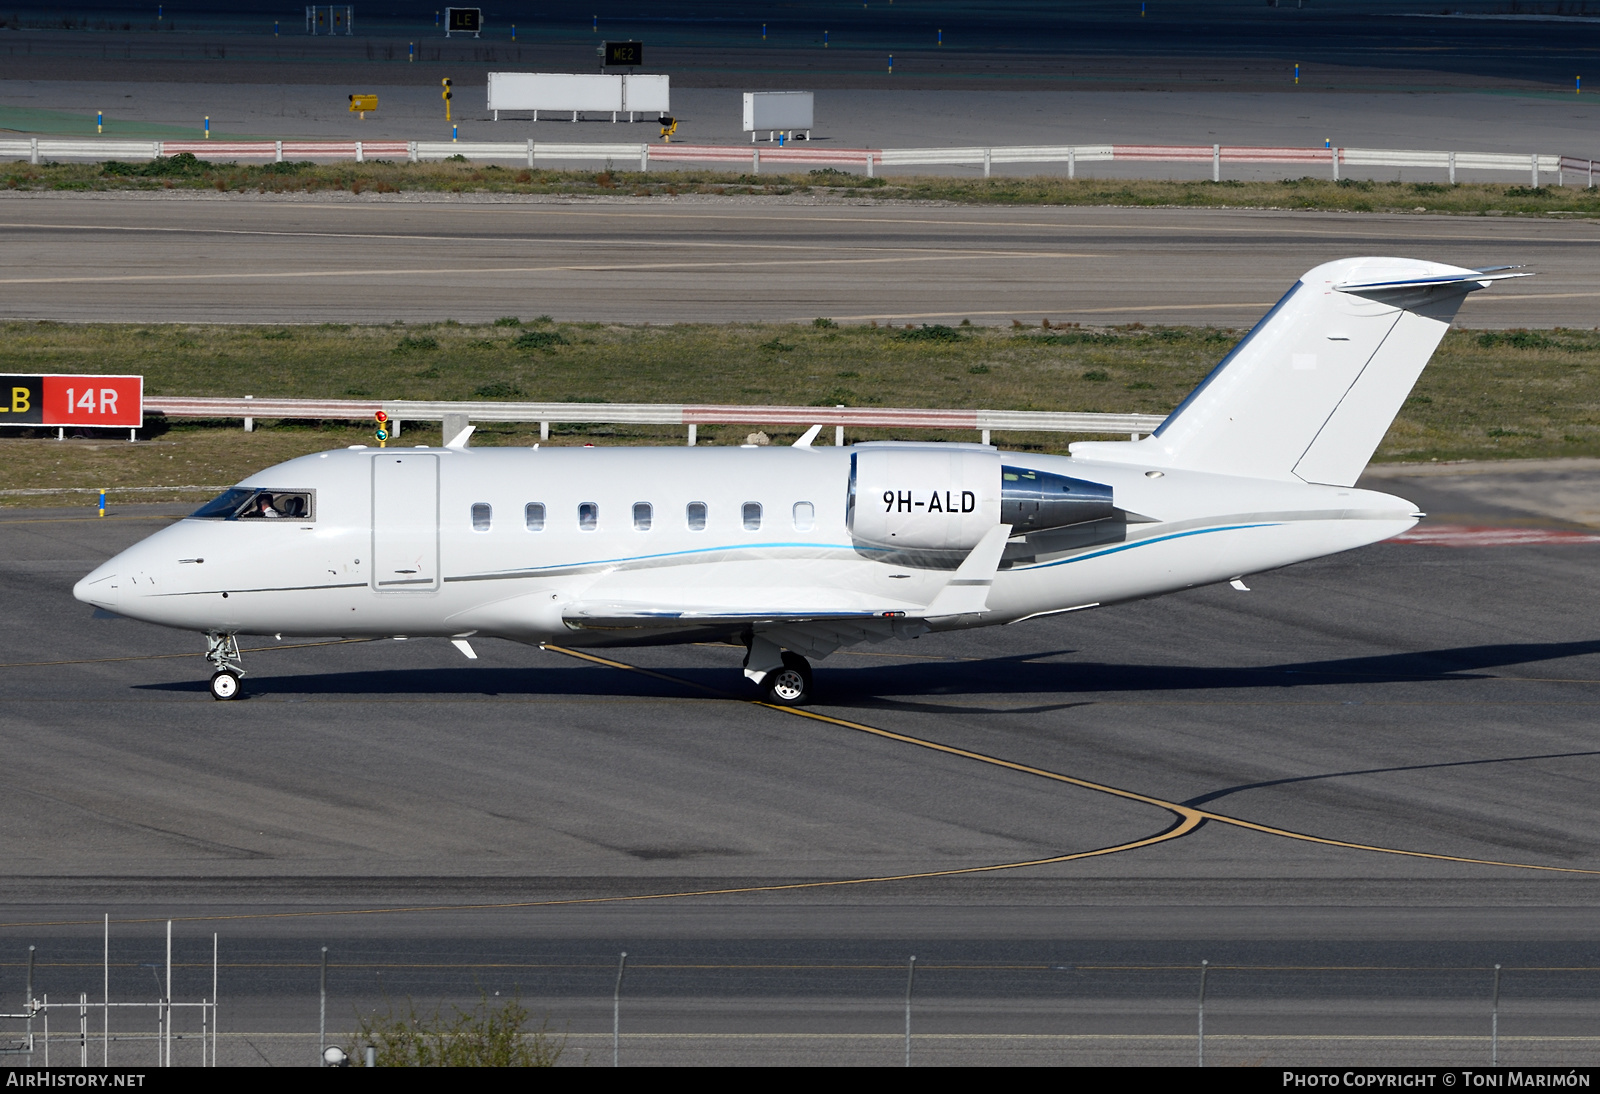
{"x":967,"y":593}
{"x":807,"y":437}
{"x":460,"y":439}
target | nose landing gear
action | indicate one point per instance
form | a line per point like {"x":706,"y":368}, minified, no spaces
{"x":222,"y":650}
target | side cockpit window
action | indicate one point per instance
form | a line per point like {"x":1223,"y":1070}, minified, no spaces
{"x":253,"y":503}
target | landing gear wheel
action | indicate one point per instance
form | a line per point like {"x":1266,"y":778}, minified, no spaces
{"x":224,"y":685}
{"x":789,"y":686}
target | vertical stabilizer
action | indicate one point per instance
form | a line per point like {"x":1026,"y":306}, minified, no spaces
{"x":1312,"y":389}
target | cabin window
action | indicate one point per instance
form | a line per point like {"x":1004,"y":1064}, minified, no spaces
{"x":752,"y":516}
{"x":805,"y":516}
{"x":533,"y":516}
{"x":696,"y":516}
{"x":642,"y":512}
{"x":588,"y":516}
{"x":482,"y":515}
{"x":253,"y":503}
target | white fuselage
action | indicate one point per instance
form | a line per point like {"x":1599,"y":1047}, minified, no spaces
{"x":393,"y":545}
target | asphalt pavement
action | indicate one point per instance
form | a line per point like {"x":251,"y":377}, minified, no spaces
{"x":375,"y":258}
{"x":1392,"y":749}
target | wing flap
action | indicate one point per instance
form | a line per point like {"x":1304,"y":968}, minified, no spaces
{"x":602,"y":614}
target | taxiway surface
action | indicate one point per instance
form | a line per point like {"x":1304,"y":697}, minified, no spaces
{"x":245,"y":259}
{"x":1430,"y":699}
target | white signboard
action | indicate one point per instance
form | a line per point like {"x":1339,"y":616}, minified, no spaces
{"x":646,"y":94}
{"x":568,"y":91}
{"x":777,"y":110}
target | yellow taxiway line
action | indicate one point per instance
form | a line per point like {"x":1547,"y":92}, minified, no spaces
{"x":1188,"y":820}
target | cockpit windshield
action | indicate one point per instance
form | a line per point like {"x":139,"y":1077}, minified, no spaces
{"x":254,"y":503}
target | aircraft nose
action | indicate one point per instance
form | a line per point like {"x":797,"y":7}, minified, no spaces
{"x":99,"y":588}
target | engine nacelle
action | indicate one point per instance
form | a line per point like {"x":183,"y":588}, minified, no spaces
{"x":923,"y":498}
{"x":1032,"y":501}
{"x":944,"y":498}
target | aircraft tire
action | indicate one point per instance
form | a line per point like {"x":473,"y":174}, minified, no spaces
{"x":224,"y":685}
{"x":789,"y":686}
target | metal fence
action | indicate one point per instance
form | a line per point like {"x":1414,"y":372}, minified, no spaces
{"x":1537,"y":166}
{"x":705,"y":1004}
{"x":690,"y":416}
{"x":86,"y":1046}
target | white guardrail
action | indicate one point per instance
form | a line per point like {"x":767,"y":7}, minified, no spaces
{"x":679,"y":414}
{"x":38,"y":150}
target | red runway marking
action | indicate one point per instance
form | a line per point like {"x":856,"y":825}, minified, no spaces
{"x":1462,"y":535}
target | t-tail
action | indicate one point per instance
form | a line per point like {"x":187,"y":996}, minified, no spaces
{"x":1310,"y":392}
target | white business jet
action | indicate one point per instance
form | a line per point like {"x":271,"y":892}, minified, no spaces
{"x":799,"y":551}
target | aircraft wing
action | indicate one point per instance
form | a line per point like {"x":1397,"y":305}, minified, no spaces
{"x":604,"y":614}
{"x":809,"y":631}
{"x":807,"y":620}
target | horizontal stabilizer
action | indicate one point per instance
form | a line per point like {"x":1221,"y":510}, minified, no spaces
{"x":1478,"y":279}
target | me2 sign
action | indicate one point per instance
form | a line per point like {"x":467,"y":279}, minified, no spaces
{"x":72,"y":400}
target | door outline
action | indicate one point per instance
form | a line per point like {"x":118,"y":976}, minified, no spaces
{"x":425,"y":537}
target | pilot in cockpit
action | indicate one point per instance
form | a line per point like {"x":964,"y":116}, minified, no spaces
{"x":264,"y":508}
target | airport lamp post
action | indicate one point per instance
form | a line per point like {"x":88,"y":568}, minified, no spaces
{"x":322,"y":1014}
{"x":911,"y":978}
{"x":616,"y":1012}
{"x":1494,"y":1022}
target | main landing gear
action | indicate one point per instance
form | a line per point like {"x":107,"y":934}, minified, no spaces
{"x":222,"y":650}
{"x":784,"y":677}
{"x":790,"y":685}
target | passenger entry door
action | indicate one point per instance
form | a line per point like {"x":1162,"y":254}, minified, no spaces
{"x":405,"y":522}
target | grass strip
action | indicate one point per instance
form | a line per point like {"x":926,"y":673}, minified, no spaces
{"x":186,"y":172}
{"x":1486,"y":395}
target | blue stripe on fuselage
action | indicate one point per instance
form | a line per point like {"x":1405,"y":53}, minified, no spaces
{"x":853,"y":549}
{"x":1147,"y":542}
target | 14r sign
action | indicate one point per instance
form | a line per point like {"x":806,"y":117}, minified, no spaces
{"x":72,"y":400}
